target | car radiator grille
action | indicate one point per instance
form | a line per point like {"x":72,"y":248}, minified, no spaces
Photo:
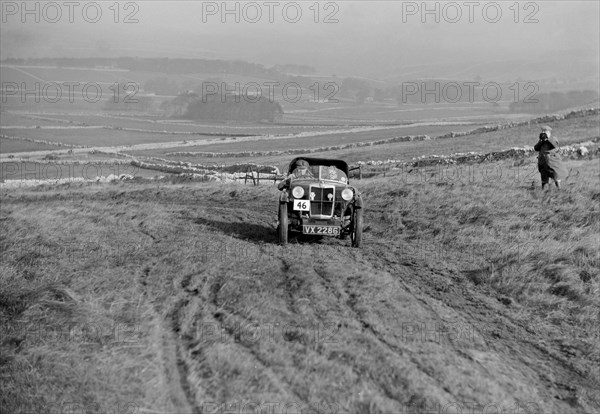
{"x":323,"y":201}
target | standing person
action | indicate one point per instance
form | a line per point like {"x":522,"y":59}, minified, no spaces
{"x":549,"y":163}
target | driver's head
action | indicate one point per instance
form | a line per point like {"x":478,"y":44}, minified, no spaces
{"x":301,"y":166}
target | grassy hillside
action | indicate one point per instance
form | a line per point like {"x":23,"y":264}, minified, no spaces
{"x":176,"y":298}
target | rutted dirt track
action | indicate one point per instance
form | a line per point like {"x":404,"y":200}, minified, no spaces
{"x":317,"y":325}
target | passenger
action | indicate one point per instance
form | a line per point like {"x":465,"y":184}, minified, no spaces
{"x":332,"y":173}
{"x":335,"y":174}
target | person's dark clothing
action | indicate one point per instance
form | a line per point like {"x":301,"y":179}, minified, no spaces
{"x":295,"y":175}
{"x":550,"y":164}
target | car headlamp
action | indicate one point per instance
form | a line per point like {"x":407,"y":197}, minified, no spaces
{"x":347,"y":194}
{"x":298,"y":192}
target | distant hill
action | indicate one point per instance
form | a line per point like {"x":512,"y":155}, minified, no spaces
{"x":564,"y":70}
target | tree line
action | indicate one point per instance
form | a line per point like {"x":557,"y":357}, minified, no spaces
{"x":233,"y":108}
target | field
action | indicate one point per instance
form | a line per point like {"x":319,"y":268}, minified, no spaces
{"x":274,"y":144}
{"x":98,"y":137}
{"x":9,"y":145}
{"x":474,"y":290}
{"x":176,"y":298}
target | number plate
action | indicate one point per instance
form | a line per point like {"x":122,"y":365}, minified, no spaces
{"x":302,"y":205}
{"x":329,"y":230}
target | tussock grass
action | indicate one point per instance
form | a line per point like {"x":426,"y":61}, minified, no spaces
{"x":74,"y":330}
{"x":178,"y":268}
{"x":538,"y":252}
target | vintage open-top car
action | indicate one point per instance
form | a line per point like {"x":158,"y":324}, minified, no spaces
{"x":317,"y":199}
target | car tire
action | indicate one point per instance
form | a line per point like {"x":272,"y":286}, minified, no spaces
{"x":282,"y":230}
{"x":357,"y":228}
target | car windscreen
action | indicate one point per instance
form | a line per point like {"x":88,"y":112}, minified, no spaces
{"x":323,"y":172}
{"x":311,"y":172}
{"x":332,"y":173}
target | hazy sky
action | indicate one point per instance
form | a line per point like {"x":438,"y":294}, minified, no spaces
{"x":348,"y":37}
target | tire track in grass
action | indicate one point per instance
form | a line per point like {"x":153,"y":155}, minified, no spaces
{"x":365,"y":327}
{"x":176,"y":371}
{"x":494,"y":334}
{"x":173,"y":368}
{"x":339,"y":307}
{"x":288,"y":274}
{"x":380,"y":253}
{"x":291,"y":276}
{"x":386,"y":291}
{"x":373,"y":364}
{"x":226,"y":319}
{"x":192,"y":350}
{"x":350,"y":292}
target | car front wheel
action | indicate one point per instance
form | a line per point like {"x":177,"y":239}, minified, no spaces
{"x":282,"y":230}
{"x":357,"y":227}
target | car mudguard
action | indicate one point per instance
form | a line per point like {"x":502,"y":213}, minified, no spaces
{"x":284,"y":197}
{"x":358,"y":201}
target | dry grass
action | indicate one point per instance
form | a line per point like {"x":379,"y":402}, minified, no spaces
{"x":538,"y":249}
{"x":74,"y":328}
{"x":126,"y":283}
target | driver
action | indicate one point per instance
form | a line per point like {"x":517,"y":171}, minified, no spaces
{"x":300,"y":171}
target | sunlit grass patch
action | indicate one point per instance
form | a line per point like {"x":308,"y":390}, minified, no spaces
{"x":541,"y":249}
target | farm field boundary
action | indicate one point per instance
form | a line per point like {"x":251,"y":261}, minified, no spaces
{"x":407,"y":138}
{"x":269,"y":174}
